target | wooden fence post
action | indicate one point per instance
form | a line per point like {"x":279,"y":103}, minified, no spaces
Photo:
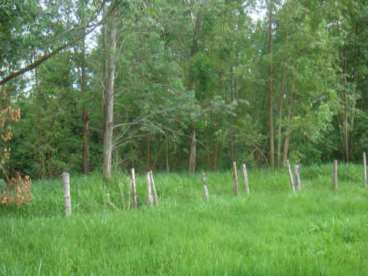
{"x":246,"y":180}
{"x":235,"y":179}
{"x":297,"y":179}
{"x":153,"y":189}
{"x":109,"y":201}
{"x":67,"y":197}
{"x":335,"y":175}
{"x":205,"y":186}
{"x":150,"y":197}
{"x":133,"y":190}
{"x":291,"y":176}
{"x":365,"y":173}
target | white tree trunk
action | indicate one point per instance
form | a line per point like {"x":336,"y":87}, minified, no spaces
{"x":110,"y":34}
{"x":193,"y":152}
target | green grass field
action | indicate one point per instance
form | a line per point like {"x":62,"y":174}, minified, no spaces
{"x":270,"y":232}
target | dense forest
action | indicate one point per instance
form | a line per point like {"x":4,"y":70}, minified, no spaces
{"x":181,"y":84}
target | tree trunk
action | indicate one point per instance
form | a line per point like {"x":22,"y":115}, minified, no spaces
{"x":193,"y":152}
{"x":345,"y":119}
{"x":270,"y":93}
{"x":280,"y":109}
{"x":286,"y":147}
{"x":85,"y":156}
{"x":149,"y":154}
{"x":216,"y":157}
{"x":288,"y":130}
{"x":279,"y":136}
{"x":346,"y":130}
{"x":232,"y":127}
{"x":167,"y":155}
{"x":110,"y":33}
{"x":196,"y":24}
{"x":85,"y":115}
{"x":83,"y":90}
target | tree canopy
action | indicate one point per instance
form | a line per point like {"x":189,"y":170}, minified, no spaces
{"x":195,"y":84}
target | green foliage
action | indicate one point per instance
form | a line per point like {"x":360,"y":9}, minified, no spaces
{"x":184,"y":65}
{"x":49,"y":132}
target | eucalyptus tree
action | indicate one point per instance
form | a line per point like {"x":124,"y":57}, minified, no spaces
{"x":348,"y":24}
{"x":270,"y":94}
{"x":152,"y":105}
{"x":81,"y":62}
{"x":110,"y":47}
{"x":307,"y":79}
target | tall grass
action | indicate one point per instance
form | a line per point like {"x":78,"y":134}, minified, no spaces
{"x":270,"y":232}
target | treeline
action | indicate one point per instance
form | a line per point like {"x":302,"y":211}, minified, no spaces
{"x":183,"y":85}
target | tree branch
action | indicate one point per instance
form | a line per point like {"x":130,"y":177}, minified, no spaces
{"x":47,"y":56}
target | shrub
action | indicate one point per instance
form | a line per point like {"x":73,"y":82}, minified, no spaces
{"x":18,"y":191}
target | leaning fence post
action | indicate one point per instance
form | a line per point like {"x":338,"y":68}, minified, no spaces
{"x":153,"y":189}
{"x":335,"y":175}
{"x":297,"y":180}
{"x":235,"y":179}
{"x":205,"y":186}
{"x":365,"y":173}
{"x":133,"y":189}
{"x":67,"y":197}
{"x":246,"y":180}
{"x":291,"y":176}
{"x":150,"y":197}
